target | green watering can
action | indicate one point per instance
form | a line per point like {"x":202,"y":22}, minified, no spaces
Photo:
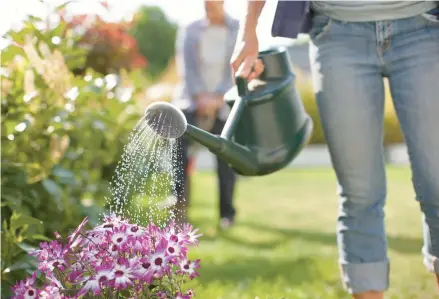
{"x":267,"y":126}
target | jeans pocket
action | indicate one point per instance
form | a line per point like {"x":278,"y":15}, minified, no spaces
{"x":320,"y":26}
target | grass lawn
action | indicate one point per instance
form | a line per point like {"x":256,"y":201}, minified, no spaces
{"x":284,"y":245}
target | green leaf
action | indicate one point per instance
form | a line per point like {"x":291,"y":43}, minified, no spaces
{"x":26,"y":247}
{"x":64,"y":176}
{"x":20,"y":220}
{"x":19,"y":265}
{"x":9,"y":53}
{"x":40,"y":237}
{"x":52,"y":187}
{"x":55,"y":191}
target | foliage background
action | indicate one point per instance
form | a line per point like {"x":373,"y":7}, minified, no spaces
{"x":71,"y":94}
{"x":155,"y":35}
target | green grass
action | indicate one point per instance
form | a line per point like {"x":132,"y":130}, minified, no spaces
{"x":284,"y":245}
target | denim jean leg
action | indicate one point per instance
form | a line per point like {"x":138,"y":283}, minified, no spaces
{"x":414,"y":81}
{"x":350,"y":96}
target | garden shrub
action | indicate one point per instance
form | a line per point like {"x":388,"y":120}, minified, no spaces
{"x":110,"y":47}
{"x":155,"y":34}
{"x":62,"y":136}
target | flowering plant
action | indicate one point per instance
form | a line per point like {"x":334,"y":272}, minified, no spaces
{"x":116,"y":259}
{"x":110,"y":46}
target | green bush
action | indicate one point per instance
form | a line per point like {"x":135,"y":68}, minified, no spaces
{"x":392,"y":131}
{"x":62,"y":136}
{"x":155,"y":35}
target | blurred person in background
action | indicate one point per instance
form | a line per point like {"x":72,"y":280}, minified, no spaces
{"x":204,"y":49}
{"x":354,"y":45}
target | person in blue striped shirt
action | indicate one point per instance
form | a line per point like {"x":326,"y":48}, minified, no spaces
{"x":204,"y":48}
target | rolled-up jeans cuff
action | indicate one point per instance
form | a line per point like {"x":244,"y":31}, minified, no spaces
{"x":360,"y":278}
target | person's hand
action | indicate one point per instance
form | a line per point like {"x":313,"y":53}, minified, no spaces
{"x":245,"y":62}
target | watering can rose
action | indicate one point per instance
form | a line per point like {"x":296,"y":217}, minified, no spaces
{"x":115,"y":259}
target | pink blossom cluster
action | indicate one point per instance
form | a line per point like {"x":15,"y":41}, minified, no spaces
{"x":116,"y":259}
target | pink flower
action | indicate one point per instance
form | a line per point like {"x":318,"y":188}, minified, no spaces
{"x":57,"y":236}
{"x":110,"y":222}
{"x":51,"y":256}
{"x":190,"y":235}
{"x":159,"y":260}
{"x":114,"y":251}
{"x":144,"y":270}
{"x":153,"y":231}
{"x":136,"y":231}
{"x":113,"y":256}
{"x":119,"y":236}
{"x":75,"y":238}
{"x":175,"y":250}
{"x":161,"y":295}
{"x":74,"y":276}
{"x":50,"y":292}
{"x":95,"y":238}
{"x":25,"y":289}
{"x":137,"y":247}
{"x":91,"y":284}
{"x":94,"y":283}
{"x":179,"y":295}
{"x":170,"y":229}
{"x":104,"y":274}
{"x":123,"y":275}
{"x":188,"y":267}
{"x":190,"y":293}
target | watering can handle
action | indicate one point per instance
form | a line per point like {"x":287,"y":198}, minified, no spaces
{"x":237,"y":109}
{"x":241,"y":84}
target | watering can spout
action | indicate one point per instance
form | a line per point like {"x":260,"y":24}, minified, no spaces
{"x":239,"y":157}
{"x":169,"y":122}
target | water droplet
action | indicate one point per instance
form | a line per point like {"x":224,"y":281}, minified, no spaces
{"x":56,"y":40}
{"x":20,"y":127}
{"x":99,"y":82}
{"x":72,"y":94}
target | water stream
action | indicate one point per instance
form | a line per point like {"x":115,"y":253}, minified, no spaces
{"x":143,"y":187}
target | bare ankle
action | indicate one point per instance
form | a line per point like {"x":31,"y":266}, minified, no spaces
{"x":369,"y":295}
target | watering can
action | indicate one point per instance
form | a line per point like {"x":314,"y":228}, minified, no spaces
{"x":267,"y":126}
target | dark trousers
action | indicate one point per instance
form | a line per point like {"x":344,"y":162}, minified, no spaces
{"x":226,"y":175}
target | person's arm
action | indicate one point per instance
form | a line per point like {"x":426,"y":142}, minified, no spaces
{"x":187,"y":61}
{"x":250,"y":22}
{"x":245,"y":62}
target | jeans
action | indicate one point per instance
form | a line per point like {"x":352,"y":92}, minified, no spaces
{"x":349,"y":61}
{"x":226,"y":175}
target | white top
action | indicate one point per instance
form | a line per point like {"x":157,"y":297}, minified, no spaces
{"x":369,"y":11}
{"x":213,"y":58}
{"x":213,"y":52}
